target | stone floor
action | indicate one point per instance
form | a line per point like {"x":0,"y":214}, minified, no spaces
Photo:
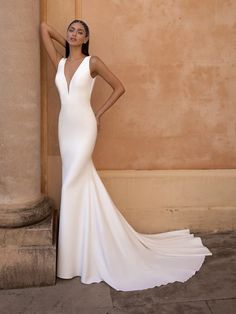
{"x":211,"y":291}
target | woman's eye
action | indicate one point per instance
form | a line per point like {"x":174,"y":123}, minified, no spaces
{"x":79,"y":32}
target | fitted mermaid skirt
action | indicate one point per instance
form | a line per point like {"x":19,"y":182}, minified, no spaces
{"x":95,"y":241}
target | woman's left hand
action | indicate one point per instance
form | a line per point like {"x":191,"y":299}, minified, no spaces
{"x":98,"y":121}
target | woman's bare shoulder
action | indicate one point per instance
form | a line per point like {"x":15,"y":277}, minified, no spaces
{"x":95,"y":59}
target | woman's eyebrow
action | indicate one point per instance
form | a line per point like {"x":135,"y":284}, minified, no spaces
{"x":78,"y":29}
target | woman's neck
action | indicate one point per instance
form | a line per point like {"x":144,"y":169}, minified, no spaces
{"x":75,"y":52}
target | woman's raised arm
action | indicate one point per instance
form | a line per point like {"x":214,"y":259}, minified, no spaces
{"x":48,"y":33}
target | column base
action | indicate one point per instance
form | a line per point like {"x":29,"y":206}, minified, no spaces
{"x":27,"y":215}
{"x":28,"y":254}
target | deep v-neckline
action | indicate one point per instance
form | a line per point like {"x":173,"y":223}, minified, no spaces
{"x":68,"y":85}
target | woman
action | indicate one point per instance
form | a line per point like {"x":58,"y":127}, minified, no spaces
{"x":95,"y":241}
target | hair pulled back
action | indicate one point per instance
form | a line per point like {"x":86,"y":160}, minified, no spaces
{"x":85,"y":47}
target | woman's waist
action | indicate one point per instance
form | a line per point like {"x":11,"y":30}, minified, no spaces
{"x":73,"y":111}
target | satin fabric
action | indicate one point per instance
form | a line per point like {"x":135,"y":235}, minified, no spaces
{"x":95,"y":241}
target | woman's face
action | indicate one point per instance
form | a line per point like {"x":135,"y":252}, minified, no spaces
{"x":76,"y":34}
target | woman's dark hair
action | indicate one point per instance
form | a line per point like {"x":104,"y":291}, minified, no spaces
{"x":85,"y":47}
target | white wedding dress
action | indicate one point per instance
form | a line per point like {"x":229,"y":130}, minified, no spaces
{"x":95,"y":241}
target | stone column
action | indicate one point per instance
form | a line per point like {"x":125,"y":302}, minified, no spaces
{"x":26,"y":216}
{"x":21,"y":202}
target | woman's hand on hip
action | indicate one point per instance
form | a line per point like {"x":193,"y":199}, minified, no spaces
{"x":98,"y":121}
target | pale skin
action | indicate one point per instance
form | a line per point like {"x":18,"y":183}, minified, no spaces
{"x":76,"y":36}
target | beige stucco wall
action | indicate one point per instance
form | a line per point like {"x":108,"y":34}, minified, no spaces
{"x":177,"y":61}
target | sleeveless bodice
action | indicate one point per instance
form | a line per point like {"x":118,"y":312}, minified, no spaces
{"x":77,"y":126}
{"x":81,"y":83}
